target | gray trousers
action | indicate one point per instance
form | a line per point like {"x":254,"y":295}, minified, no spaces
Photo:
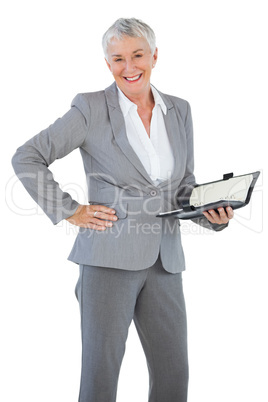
{"x":109,"y":299}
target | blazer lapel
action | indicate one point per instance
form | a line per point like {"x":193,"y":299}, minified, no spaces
{"x":177,"y":140}
{"x":119,"y":130}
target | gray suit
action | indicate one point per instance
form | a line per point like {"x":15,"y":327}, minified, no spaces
{"x":142,"y":250}
{"x":116,"y":178}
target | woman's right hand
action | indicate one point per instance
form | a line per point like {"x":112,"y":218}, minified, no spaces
{"x":97,"y":217}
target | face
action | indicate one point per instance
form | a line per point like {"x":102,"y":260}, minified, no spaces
{"x":131,"y":62}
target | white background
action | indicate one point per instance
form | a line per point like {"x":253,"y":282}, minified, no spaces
{"x":212,"y":53}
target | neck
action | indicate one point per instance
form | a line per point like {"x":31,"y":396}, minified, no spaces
{"x":143,"y":100}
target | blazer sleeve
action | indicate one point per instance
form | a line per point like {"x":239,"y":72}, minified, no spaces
{"x":31,"y":160}
{"x":188,"y":181}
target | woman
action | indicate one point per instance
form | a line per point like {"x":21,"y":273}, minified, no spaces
{"x":137,"y":148}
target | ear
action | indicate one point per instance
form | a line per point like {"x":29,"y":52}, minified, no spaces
{"x":109,"y":65}
{"x":155,"y":56}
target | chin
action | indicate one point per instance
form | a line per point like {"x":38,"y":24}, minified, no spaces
{"x":133,"y":88}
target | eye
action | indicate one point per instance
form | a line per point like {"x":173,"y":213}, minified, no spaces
{"x":138,"y":55}
{"x":117,"y":60}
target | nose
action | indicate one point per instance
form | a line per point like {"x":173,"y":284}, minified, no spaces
{"x":130,"y":66}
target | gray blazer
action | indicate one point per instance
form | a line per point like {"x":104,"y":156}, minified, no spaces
{"x":116,"y":178}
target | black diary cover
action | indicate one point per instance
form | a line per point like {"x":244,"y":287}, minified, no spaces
{"x":233,"y":191}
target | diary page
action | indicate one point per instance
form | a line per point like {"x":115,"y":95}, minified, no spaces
{"x":234,"y":189}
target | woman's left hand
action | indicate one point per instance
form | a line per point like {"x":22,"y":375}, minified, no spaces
{"x":220,"y":217}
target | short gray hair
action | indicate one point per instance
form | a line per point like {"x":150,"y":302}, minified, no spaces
{"x":129,"y":27}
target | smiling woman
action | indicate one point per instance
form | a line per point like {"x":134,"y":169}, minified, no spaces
{"x":137,"y":148}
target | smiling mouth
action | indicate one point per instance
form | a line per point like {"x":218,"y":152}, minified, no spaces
{"x":133,"y":79}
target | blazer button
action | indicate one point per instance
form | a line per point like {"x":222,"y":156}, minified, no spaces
{"x":153,"y":193}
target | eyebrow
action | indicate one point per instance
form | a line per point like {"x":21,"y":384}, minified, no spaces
{"x":119,"y":55}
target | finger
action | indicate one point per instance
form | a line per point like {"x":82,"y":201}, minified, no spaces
{"x":227,"y":214}
{"x":209,"y":217}
{"x":100,"y":222}
{"x":102,"y":212}
{"x":89,"y":225}
{"x":103,"y":216}
{"x":214,"y":216}
{"x":102,"y":208}
{"x":230,"y":212}
{"x":223,"y":216}
{"x":96,"y":227}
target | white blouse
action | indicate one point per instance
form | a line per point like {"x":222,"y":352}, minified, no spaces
{"x":155,"y":151}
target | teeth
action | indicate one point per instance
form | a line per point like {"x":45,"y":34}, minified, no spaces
{"x":134,"y":78}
